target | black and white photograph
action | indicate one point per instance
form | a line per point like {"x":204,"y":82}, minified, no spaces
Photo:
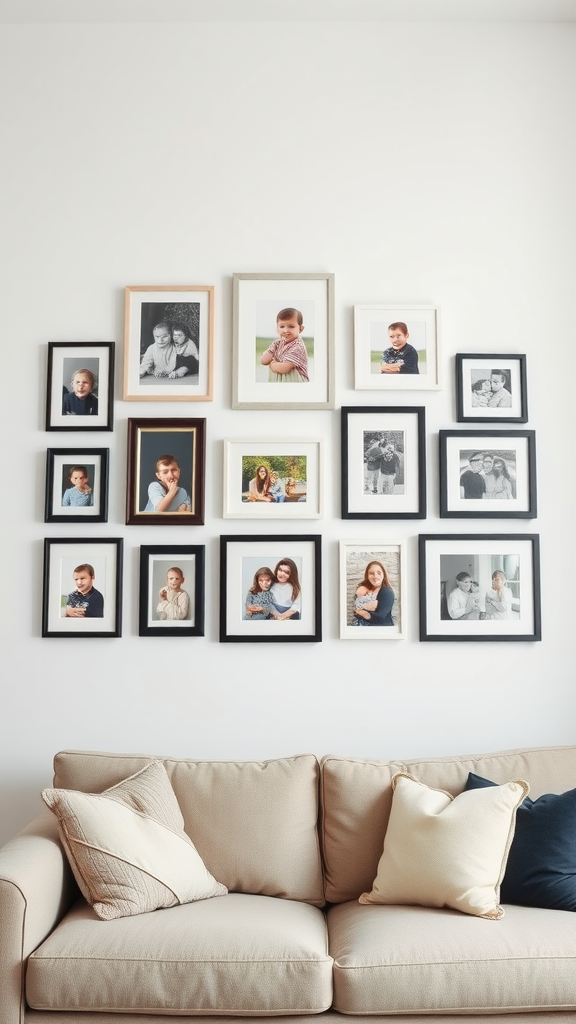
{"x":488,"y":474}
{"x":80,"y":385}
{"x":76,"y":485}
{"x":383,"y":462}
{"x":171,"y":590}
{"x":372,"y":591}
{"x":82,"y":587}
{"x":270,"y":588}
{"x":491,"y":388}
{"x":480,"y":587}
{"x":169,"y":343}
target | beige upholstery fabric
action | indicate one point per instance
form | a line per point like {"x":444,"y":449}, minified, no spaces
{"x":357,"y":796}
{"x":253,"y":822}
{"x":127,"y":846}
{"x":235,"y":955}
{"x":443,"y":851}
{"x":419,"y":960}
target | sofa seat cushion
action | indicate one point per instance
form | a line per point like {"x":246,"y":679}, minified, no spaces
{"x":392,"y":959}
{"x":239,"y":954}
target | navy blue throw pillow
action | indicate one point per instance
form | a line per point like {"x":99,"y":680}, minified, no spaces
{"x":541,"y":868}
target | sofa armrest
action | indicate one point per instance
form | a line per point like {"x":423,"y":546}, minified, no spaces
{"x":36,"y":889}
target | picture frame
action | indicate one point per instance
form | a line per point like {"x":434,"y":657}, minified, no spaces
{"x":284,"y":559}
{"x":488,"y":474}
{"x":477,"y":587}
{"x":162,"y":453}
{"x":491,"y":388}
{"x":274,"y":479}
{"x":307,"y":300}
{"x":76,"y":485}
{"x":82,"y":587}
{"x":358,"y":561}
{"x":171,"y":590}
{"x":411,"y":336}
{"x":160,"y":370}
{"x":80,"y":385}
{"x":383,"y":459}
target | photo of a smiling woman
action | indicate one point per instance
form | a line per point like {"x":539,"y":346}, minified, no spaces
{"x":374,"y":597}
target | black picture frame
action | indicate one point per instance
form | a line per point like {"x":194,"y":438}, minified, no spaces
{"x":66,"y":359}
{"x":157,"y":561}
{"x":241,"y":555}
{"x":67,"y":562}
{"x":482,"y":612}
{"x":479,"y":406}
{"x":507,"y":476}
{"x":366,"y":492}
{"x":58,"y":504}
{"x":149,"y":439}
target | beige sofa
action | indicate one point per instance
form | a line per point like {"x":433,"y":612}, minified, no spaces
{"x":296,"y":841}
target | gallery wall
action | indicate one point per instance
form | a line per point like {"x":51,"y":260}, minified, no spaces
{"x":420,"y":164}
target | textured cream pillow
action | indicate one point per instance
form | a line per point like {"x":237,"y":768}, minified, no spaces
{"x":127,"y":846}
{"x":446,"y":851}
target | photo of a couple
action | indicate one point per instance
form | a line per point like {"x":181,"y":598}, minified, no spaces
{"x":169,"y":342}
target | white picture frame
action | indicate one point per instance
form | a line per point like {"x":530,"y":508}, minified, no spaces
{"x":371,"y":340}
{"x":292,"y":488}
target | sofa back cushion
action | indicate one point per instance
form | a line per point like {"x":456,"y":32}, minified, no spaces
{"x":254,"y":823}
{"x":356,"y":797}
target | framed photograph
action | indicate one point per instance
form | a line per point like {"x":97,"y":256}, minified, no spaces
{"x":283,"y":333}
{"x":383,"y":462}
{"x":168,"y":343}
{"x":396,"y":348}
{"x":76,"y":485}
{"x":82,"y":587}
{"x":480,"y":587}
{"x":80,"y":391}
{"x":272,"y":479}
{"x":271,"y":588}
{"x":490,"y":389}
{"x":372,"y":583}
{"x":487,"y":474}
{"x":166,"y":459}
{"x":171,"y":590}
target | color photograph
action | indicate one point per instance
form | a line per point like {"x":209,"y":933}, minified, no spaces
{"x":272,"y":479}
{"x":372,"y":591}
{"x":166,"y":472}
{"x":76,"y":485}
{"x":283,"y":341}
{"x":171,"y":590}
{"x":82,"y":588}
{"x":396,"y":347}
{"x":270,"y":588}
{"x":80,"y":385}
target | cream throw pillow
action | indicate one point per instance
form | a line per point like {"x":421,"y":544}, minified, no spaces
{"x":127,"y":846}
{"x":449,"y":851}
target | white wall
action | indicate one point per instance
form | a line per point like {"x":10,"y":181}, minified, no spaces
{"x":418,"y":163}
